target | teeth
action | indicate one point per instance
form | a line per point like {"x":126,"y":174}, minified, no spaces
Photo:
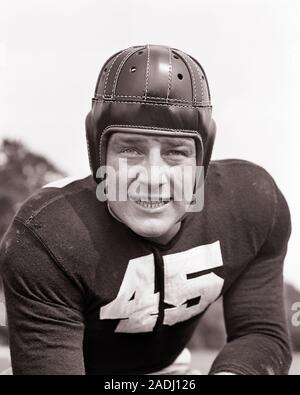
{"x":154,"y":204}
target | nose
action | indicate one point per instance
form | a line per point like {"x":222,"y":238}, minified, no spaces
{"x":154,"y":174}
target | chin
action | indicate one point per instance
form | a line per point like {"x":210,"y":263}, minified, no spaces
{"x":149,"y":230}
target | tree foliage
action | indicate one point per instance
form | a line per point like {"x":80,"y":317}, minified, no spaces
{"x":21,"y":173}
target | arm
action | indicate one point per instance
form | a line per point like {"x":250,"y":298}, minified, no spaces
{"x":43,"y":308}
{"x":258,"y":341}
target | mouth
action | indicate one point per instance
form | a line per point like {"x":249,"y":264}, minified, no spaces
{"x":152,"y":204}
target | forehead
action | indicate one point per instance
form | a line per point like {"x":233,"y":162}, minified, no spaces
{"x":119,"y":138}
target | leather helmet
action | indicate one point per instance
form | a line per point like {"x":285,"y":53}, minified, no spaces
{"x":150,"y":89}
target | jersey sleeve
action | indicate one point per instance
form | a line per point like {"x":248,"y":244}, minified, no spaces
{"x":44,"y":308}
{"x":255,"y":319}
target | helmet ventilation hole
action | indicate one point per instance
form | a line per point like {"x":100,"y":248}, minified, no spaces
{"x":180,"y":76}
{"x":133,"y":69}
{"x":140,"y":52}
{"x":176,"y":57}
{"x":105,"y":69}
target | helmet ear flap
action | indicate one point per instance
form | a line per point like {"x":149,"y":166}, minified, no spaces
{"x":209,"y":145}
{"x":91,"y":132}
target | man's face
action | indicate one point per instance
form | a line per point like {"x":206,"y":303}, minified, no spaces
{"x":158,"y":174}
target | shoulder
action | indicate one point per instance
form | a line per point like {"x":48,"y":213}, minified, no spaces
{"x":57,"y":221}
{"x":249,"y":194}
{"x":243,"y":173}
{"x":31,"y":275}
{"x":55,"y":194}
{"x":242,"y":180}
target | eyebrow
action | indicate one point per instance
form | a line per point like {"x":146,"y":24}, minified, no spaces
{"x":174,"y":141}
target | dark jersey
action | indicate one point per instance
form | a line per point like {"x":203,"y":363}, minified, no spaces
{"x":86,"y":295}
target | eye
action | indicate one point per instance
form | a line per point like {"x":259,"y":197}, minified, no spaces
{"x":129,"y":151}
{"x":176,"y":153}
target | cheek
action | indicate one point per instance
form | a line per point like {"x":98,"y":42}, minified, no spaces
{"x":121,"y":209}
{"x":117,"y":184}
{"x":178,"y":208}
{"x":184,"y":187}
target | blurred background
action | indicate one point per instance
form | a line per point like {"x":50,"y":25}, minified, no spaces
{"x":51,"y":53}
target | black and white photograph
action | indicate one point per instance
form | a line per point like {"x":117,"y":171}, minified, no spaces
{"x":149,"y":190}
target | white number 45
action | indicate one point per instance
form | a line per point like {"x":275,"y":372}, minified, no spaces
{"x":136,"y":305}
